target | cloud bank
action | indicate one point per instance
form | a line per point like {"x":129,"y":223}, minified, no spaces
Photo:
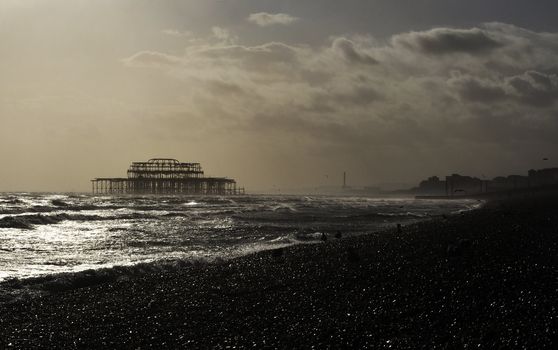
{"x":418,"y":97}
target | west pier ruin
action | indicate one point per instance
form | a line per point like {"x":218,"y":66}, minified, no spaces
{"x":166,"y":176}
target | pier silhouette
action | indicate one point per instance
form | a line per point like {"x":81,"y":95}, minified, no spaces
{"x":166,"y":176}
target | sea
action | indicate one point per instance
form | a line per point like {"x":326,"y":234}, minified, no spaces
{"x":46,"y":233}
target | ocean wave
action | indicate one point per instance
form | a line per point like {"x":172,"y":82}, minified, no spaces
{"x":11,"y":201}
{"x":288,"y":216}
{"x":14,"y":206}
{"x":28,"y":222}
{"x":73,"y":280}
{"x":309,"y":236}
{"x":59,"y":203}
{"x":388,"y":215}
{"x":284,"y":208}
{"x":11,"y":211}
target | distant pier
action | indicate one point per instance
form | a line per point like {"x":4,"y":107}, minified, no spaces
{"x":166,"y":176}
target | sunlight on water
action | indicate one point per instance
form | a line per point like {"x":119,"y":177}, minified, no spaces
{"x":52,"y":233}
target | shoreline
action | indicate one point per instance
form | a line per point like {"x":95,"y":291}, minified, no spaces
{"x":18,"y":288}
{"x":486,"y":276}
{"x":30,"y":285}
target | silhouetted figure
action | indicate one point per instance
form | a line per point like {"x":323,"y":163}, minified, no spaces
{"x":399,"y":230}
{"x":338,"y":235}
{"x":324,"y":237}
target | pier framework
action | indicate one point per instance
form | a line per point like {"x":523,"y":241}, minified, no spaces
{"x":166,"y":176}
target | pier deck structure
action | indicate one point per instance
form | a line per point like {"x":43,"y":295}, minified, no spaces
{"x":166,"y":176}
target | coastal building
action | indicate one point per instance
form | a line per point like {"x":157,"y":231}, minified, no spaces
{"x":432,"y":186}
{"x":464,"y":185}
{"x":166,"y":176}
{"x":543,"y":177}
{"x":457,"y":185}
{"x":511,"y":182}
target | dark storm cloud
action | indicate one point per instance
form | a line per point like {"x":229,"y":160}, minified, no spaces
{"x":316,"y":80}
{"x":443,"y":41}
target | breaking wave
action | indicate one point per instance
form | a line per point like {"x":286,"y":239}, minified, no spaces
{"x":28,"y":222}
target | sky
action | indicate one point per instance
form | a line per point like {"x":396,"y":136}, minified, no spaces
{"x":276,"y":94}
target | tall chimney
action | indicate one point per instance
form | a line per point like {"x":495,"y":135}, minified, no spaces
{"x":344,"y":179}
